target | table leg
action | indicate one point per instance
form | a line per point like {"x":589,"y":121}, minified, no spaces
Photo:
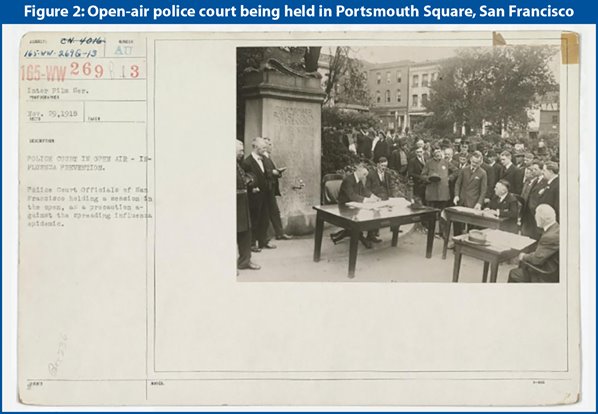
{"x":318,"y":237}
{"x":494,"y":271}
{"x":430,"y":243}
{"x":485,"y":272}
{"x":395,"y":235}
{"x":354,"y":243}
{"x":457,"y":264}
{"x":447,"y":236}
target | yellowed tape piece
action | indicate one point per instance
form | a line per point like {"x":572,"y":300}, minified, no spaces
{"x":569,"y":48}
{"x":498,"y":40}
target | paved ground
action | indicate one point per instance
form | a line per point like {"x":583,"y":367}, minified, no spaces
{"x":292,"y":262}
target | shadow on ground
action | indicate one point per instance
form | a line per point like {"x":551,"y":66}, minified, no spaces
{"x":292,"y":261}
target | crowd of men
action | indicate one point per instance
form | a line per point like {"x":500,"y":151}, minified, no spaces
{"x":257,"y":207}
{"x":504,"y":180}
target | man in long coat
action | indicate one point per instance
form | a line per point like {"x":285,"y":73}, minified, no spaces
{"x":243,"y":218}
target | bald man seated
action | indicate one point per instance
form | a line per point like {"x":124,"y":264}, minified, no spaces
{"x":541,"y":266}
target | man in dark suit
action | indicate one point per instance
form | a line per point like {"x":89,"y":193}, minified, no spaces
{"x":378,"y":181}
{"x":259,"y":206}
{"x":243,"y":217}
{"x":493,"y":171}
{"x":470,"y":187}
{"x":546,"y":256}
{"x":504,"y":205}
{"x":415,"y":167}
{"x":550,"y":193}
{"x":511,"y":173}
{"x":353,"y":188}
{"x":531,"y":196}
{"x":453,"y":166}
{"x":364,"y":144}
{"x":398,"y":157}
{"x":274,"y":174}
{"x":380,"y":147}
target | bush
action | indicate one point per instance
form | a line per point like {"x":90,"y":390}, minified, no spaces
{"x":335,"y":155}
{"x":336,"y":118}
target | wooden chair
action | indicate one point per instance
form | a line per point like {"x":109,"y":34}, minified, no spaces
{"x":331,"y":184}
{"x":549,"y":270}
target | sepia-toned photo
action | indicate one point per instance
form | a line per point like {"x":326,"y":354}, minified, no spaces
{"x":403,"y":164}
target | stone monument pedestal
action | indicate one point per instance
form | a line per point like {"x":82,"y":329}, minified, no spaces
{"x":288,"y":110}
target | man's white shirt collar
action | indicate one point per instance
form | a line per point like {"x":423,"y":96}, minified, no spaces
{"x":258,"y":160}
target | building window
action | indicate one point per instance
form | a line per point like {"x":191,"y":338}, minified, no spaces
{"x":378,"y":78}
{"x":398,"y":95}
{"x":387,"y":95}
{"x":415,"y":81}
{"x":387,"y":77}
{"x":555,"y":119}
{"x":425,"y":80}
{"x":424,"y":98}
{"x":414,"y":101}
{"x":378,"y":97}
{"x":399,"y":76}
{"x":366,"y":75}
{"x":434,"y":76}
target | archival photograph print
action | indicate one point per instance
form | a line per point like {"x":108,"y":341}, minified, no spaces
{"x":398,"y":164}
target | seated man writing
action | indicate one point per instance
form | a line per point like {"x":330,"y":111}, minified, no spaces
{"x":504,"y":204}
{"x":541,"y":266}
{"x":353,"y":188}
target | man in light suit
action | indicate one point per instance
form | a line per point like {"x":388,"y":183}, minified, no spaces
{"x":546,"y":256}
{"x":471,"y":186}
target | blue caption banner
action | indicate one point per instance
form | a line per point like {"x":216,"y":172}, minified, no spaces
{"x":298,"y":12}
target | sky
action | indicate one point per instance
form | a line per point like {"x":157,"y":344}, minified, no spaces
{"x":384,"y":54}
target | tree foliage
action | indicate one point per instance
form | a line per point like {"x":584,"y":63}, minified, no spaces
{"x":496,"y":85}
{"x":347,"y":82}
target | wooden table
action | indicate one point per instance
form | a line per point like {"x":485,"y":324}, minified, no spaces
{"x":467,"y":216}
{"x":357,"y":220}
{"x":502,"y":246}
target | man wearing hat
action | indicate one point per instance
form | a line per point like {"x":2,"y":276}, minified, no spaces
{"x":398,"y":157}
{"x":436,"y":176}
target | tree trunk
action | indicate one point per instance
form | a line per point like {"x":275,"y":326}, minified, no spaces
{"x":312,"y":55}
